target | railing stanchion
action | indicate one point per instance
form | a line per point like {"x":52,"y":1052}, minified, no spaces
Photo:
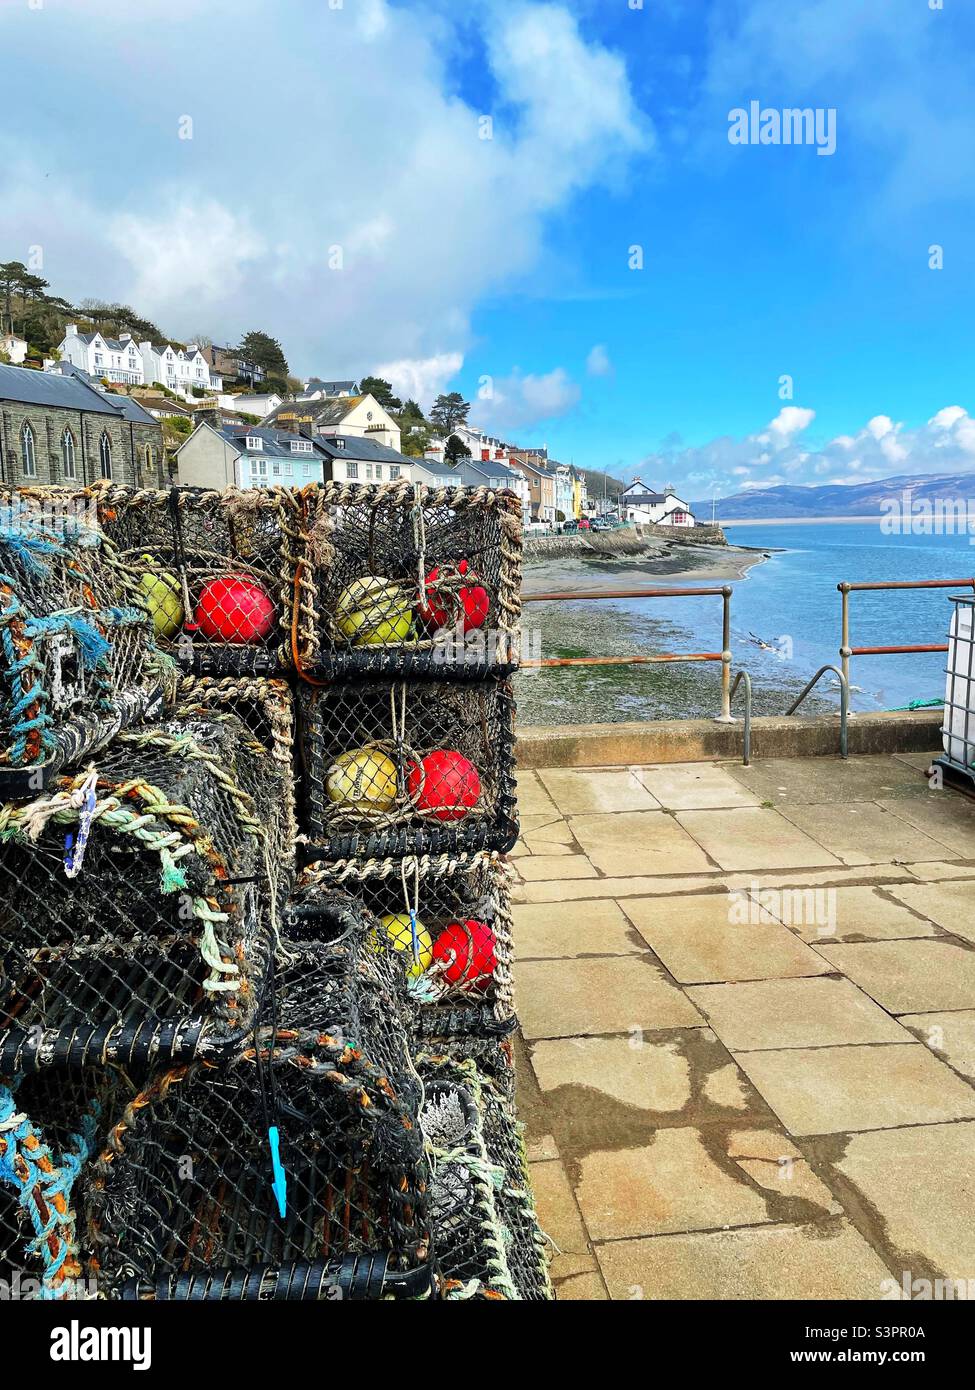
{"x":725,"y":717}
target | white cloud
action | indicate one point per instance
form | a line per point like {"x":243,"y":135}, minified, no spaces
{"x":423,"y":379}
{"x":520,"y":400}
{"x":881,"y":449}
{"x":598,"y":363}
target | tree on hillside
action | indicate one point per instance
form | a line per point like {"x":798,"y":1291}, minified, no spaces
{"x":266,"y":352}
{"x":12,"y":275}
{"x":412,"y":411}
{"x":455,"y":449}
{"x":449,"y":412}
{"x":382,"y":390}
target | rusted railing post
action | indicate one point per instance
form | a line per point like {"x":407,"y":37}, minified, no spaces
{"x":725,"y":717}
{"x":845,"y":649}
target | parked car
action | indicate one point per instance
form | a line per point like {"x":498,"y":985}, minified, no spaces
{"x":568,"y":526}
{"x":584,"y":524}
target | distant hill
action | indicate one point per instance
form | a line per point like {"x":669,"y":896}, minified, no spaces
{"x":835,"y":499}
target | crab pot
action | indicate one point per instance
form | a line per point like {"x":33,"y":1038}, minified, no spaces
{"x":403,"y":580}
{"x":266,"y":708}
{"x":137,"y":911}
{"x":331,"y":1070}
{"x":484,"y":1228}
{"x":459,"y":957}
{"x":396,"y":768}
{"x":210,"y":568}
{"x":77,"y":658}
{"x":50,"y":1125}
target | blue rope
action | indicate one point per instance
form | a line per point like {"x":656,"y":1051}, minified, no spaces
{"x":58,"y":1183}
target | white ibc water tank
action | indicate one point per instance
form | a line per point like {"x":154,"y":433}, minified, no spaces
{"x":959,"y":733}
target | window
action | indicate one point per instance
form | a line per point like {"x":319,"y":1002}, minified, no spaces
{"x":27,"y":447}
{"x":67,"y":455}
{"x":105,"y":455}
{"x":258,"y":468}
{"x":369,"y":472}
{"x":301,"y":446}
{"x":351,"y":470}
{"x":308,"y":469}
{"x":254,"y":441}
{"x":339,"y":443}
{"x":394,"y":472}
{"x":276,"y":468}
{"x":289,"y":468}
{"x":148,"y":460}
{"x":379,"y":472}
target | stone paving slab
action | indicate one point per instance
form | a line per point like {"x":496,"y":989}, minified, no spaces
{"x":945,"y":816}
{"x":919,"y":1181}
{"x":559,"y":1218}
{"x":753,"y":838}
{"x":951,"y":905}
{"x":830,"y":1090}
{"x":910,"y":976}
{"x":533,"y":799}
{"x":599,"y":928}
{"x":699,"y":940}
{"x":764,"y":1262}
{"x":605,"y":789}
{"x":566,"y":998}
{"x":951,"y":1036}
{"x":848,"y":914}
{"x":695,"y":787}
{"x":666,"y":885}
{"x":645,"y":842}
{"x":815,"y":781}
{"x":770,"y":1015}
{"x":864,"y":833}
{"x":546,"y":867}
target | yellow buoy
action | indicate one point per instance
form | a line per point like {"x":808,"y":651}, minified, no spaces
{"x":398,"y":929}
{"x":363,"y":777}
{"x":163,"y":598}
{"x":373,"y":611}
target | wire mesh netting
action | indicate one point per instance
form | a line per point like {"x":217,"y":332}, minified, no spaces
{"x":450,"y":917}
{"x":485,"y":1231}
{"x":138,"y":902}
{"x":395,"y":579}
{"x":266,"y":708}
{"x":396,"y":767}
{"x":210,"y":567}
{"x":180,"y":1202}
{"x":77,"y":657}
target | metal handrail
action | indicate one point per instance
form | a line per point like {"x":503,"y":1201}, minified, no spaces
{"x":844,"y":704}
{"x":846,"y":589}
{"x":724,"y":656}
{"x":743,"y":676}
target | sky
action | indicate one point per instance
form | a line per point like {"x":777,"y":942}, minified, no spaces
{"x":537,"y":204}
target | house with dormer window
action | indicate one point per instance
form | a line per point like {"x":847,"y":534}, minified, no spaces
{"x":643,"y":505}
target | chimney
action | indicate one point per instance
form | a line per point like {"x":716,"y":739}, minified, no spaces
{"x":125,"y":338}
{"x":71,"y":330}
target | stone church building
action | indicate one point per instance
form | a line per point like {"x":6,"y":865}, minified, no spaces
{"x":58,"y":429}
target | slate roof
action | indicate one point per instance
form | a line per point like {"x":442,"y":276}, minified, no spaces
{"x":327,"y":412}
{"x":52,"y":390}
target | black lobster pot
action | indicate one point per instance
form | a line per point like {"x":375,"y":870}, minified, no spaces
{"x":459,"y":962}
{"x":406,"y":580}
{"x":77,"y":657}
{"x":485,"y":1230}
{"x":138,"y":906}
{"x":266,"y":708}
{"x":330,"y":1071}
{"x":211,"y":565}
{"x":393,"y":768}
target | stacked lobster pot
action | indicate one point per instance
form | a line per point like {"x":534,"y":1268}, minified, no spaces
{"x":255,"y":948}
{"x":405,"y":628}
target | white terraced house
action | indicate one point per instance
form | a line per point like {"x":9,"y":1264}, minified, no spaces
{"x":115,"y":359}
{"x":129,"y":363}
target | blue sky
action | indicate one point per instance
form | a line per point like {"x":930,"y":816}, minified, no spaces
{"x":336,"y":190}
